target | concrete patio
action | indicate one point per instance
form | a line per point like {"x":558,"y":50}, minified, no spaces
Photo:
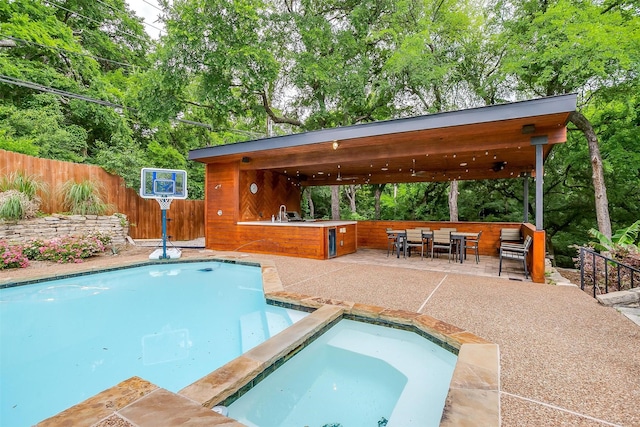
{"x":565,"y":359}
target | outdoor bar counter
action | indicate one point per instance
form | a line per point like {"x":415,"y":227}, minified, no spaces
{"x":308,"y":239}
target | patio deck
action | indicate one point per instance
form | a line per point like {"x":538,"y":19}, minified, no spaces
{"x":565,"y":359}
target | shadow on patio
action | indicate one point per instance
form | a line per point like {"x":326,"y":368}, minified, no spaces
{"x":487,"y":267}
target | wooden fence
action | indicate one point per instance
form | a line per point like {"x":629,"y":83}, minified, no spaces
{"x":186,"y":217}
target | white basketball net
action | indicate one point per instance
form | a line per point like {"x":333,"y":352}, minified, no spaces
{"x":164,"y":203}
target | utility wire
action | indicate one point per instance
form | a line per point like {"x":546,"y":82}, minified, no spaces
{"x":63,"y":93}
{"x":98,"y":58}
{"x":122,"y":12}
{"x":152,"y":5}
{"x":41,"y":88}
{"x":51,"y":3}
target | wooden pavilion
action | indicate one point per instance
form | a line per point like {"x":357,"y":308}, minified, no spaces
{"x":248,"y":182}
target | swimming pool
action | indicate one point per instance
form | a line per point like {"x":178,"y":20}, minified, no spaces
{"x":65,"y":340}
{"x":355,"y":374}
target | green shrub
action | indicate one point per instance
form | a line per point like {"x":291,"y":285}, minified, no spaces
{"x":20,"y":181}
{"x":621,"y":243}
{"x":84,"y":198}
{"x":19,"y":195}
{"x":11,"y":205}
{"x":15,"y":205}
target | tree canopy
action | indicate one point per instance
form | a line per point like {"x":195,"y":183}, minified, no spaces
{"x":80,"y":80}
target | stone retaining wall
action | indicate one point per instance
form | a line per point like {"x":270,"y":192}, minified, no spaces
{"x":56,"y":225}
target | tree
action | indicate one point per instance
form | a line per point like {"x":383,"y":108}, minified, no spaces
{"x":453,"y":201}
{"x":75,"y":47}
{"x":566,"y":46}
{"x":335,"y":202}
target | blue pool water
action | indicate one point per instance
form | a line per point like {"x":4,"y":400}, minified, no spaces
{"x":354,"y":375}
{"x":63,"y":341}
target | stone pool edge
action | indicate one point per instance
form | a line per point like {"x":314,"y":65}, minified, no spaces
{"x":473,"y":398}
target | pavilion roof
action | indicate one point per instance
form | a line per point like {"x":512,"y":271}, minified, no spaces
{"x":479,"y":143}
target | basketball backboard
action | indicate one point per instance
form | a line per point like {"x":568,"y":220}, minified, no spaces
{"x":163,"y":183}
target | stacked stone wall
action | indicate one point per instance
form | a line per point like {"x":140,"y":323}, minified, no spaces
{"x":53,"y":226}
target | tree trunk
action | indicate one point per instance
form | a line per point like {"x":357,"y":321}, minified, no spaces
{"x":335,"y":202}
{"x":602,"y":202}
{"x":312,"y":209}
{"x":453,"y":201}
{"x":377,"y":193}
{"x":351,"y":195}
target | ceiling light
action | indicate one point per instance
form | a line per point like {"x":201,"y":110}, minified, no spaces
{"x":384,"y":169}
{"x":463,"y":164}
{"x":335,"y":144}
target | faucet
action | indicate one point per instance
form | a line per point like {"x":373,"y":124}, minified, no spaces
{"x":282,"y":213}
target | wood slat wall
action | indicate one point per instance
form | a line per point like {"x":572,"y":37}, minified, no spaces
{"x":186,"y":216}
{"x":273,"y":190}
{"x":230,"y":201}
{"x":372,"y":234}
{"x":537,"y":254}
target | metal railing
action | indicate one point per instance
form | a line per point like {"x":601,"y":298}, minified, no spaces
{"x":604,"y":273}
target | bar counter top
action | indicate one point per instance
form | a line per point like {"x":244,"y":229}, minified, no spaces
{"x":305,"y":223}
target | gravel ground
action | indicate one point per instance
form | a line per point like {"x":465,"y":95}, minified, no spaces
{"x":565,"y":359}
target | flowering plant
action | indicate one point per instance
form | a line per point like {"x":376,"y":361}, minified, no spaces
{"x":11,"y":256}
{"x":62,"y":250}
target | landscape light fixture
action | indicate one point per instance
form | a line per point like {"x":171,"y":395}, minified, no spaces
{"x":526,"y":129}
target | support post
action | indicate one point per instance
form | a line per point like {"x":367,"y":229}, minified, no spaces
{"x":525,"y":198}
{"x":539,"y":141}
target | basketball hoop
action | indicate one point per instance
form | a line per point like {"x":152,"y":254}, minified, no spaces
{"x":164,"y":185}
{"x":164,"y":203}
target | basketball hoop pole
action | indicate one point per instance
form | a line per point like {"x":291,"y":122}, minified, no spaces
{"x":164,"y":234}
{"x":164,"y":206}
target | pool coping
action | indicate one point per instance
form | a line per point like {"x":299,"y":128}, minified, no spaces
{"x":473,"y":397}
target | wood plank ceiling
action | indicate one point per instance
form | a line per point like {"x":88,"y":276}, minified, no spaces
{"x":469,"y":151}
